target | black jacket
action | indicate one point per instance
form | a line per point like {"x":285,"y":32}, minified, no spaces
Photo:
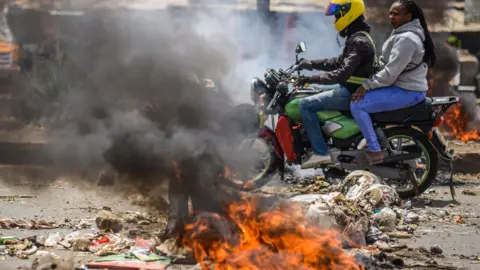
{"x":357,"y":59}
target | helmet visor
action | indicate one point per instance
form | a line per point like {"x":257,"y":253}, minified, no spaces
{"x":333,"y":9}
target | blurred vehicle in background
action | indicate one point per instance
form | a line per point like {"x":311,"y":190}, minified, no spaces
{"x":12,"y":57}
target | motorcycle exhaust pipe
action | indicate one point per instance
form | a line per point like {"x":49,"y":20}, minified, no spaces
{"x":358,"y":154}
{"x":382,"y":172}
{"x":401,"y":157}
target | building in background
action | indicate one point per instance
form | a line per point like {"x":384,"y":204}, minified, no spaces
{"x":472,"y":11}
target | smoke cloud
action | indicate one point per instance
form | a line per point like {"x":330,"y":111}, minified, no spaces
{"x":126,"y":94}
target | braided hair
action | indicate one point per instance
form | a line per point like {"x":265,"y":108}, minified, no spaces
{"x":430,"y":56}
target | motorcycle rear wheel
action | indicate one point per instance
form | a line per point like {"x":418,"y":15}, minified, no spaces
{"x":431,"y":158}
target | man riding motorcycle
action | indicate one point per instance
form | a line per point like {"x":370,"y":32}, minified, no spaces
{"x":350,"y":69}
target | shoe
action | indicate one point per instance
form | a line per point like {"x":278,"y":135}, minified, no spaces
{"x":316,"y":160}
{"x":374,"y":158}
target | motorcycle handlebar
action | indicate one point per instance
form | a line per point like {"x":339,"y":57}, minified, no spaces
{"x":292,"y":69}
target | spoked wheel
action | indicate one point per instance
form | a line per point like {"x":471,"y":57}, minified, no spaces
{"x":253,"y":165}
{"x":423,"y":169}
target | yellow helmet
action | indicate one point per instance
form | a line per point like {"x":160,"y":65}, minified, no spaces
{"x":345,"y":11}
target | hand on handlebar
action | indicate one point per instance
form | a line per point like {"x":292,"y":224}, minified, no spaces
{"x":305,"y":64}
{"x":301,"y":81}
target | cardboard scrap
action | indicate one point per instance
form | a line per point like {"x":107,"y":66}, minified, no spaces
{"x":127,"y":265}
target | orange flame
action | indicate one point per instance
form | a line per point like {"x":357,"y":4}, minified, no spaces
{"x":178,"y":172}
{"x":278,"y":239}
{"x":456,"y":120}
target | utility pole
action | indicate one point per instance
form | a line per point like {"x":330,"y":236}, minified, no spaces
{"x":263,"y":9}
{"x":263,"y":6}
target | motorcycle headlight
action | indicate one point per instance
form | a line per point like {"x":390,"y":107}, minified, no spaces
{"x":282,"y":88}
{"x":271,"y":77}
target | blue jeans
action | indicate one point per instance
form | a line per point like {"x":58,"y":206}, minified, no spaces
{"x":332,"y":100}
{"x":381,"y":100}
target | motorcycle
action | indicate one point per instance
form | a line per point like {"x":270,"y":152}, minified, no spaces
{"x":409,"y":137}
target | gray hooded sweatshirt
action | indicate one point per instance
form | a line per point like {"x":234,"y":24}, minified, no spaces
{"x":402,"y":51}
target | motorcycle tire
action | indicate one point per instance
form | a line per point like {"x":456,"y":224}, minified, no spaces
{"x":269,"y":172}
{"x":419,"y":137}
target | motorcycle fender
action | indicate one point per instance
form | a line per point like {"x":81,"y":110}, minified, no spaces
{"x":269,"y":135}
{"x":437,"y":140}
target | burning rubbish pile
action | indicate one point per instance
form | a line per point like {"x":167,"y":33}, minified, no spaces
{"x":354,"y":227}
{"x":457,"y":121}
{"x":276,"y":239}
{"x":357,"y":225}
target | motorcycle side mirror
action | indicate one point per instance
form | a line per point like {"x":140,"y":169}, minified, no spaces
{"x":301,"y":47}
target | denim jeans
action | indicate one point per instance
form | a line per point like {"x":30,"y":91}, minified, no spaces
{"x":332,"y":100}
{"x":381,"y":100}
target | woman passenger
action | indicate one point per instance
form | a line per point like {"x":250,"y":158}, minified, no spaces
{"x":402,"y":81}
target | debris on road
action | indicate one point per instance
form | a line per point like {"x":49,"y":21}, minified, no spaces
{"x":367,"y":211}
{"x":53,"y":239}
{"x":140,"y":255}
{"x":108,"y":221}
{"x":169,"y":247}
{"x":436,"y":250}
{"x":138,"y":199}
{"x":12,"y":197}
{"x":48,"y":261}
{"x":371,"y":214}
{"x":138,"y":218}
{"x":386,"y":218}
{"x":471,"y":192}
{"x":6,"y":223}
{"x":83,"y":224}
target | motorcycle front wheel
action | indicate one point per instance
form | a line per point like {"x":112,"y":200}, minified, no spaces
{"x":261,"y":170}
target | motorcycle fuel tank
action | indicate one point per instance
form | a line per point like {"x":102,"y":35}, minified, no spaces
{"x":334,"y":123}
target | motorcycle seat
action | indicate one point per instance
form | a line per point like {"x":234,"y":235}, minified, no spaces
{"x":419,"y":112}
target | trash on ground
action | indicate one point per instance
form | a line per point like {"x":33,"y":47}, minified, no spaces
{"x":436,"y":249}
{"x":363,"y":185}
{"x":169,"y":247}
{"x":471,"y":192}
{"x":126,"y":265}
{"x":83,"y":224}
{"x":139,"y":256}
{"x":49,"y":261}
{"x":53,"y":239}
{"x":386,"y":218}
{"x":6,"y":223}
{"x":108,"y":221}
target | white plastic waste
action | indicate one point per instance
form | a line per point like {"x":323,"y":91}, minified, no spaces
{"x":386,"y":218}
{"x":53,"y":239}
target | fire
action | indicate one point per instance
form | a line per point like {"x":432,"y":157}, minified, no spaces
{"x":232,"y":176}
{"x":176,"y":168}
{"x":277,"y":239}
{"x":457,"y":121}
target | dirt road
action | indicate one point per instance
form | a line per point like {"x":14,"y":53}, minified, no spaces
{"x":61,"y":202}
{"x":66,"y":202}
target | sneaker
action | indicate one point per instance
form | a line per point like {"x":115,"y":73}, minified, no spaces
{"x":316,"y":160}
